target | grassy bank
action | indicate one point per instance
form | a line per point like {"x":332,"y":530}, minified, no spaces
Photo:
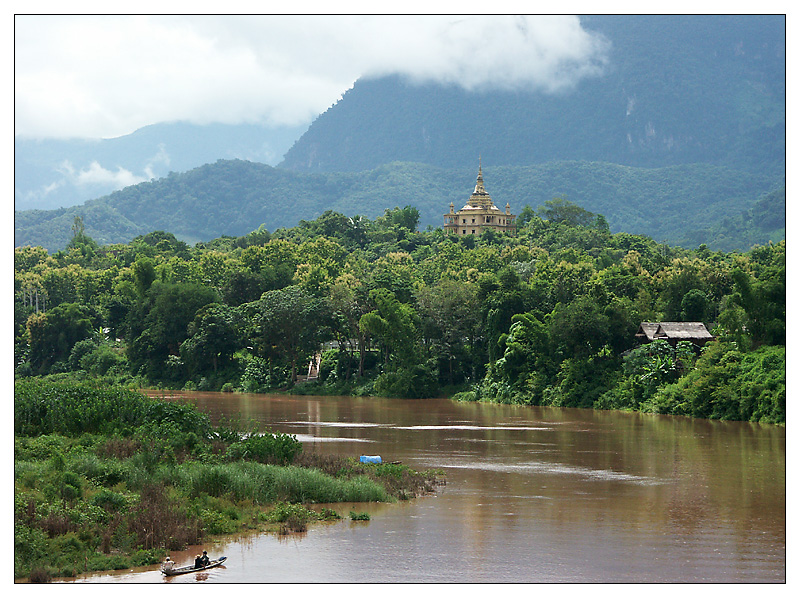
{"x":110,"y":479}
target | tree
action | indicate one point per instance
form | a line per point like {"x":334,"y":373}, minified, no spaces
{"x":559,"y":210}
{"x":348,"y":299}
{"x":80,"y":240}
{"x":288,"y":324}
{"x":53,"y":334}
{"x":159,"y":324}
{"x":764,"y":306}
{"x":584,"y":326}
{"x":501,"y":297}
{"x":215,"y":334}
{"x":395,"y":325}
{"x":243,"y":286}
{"x":527,"y":361}
{"x":402,"y":218}
{"x":694,"y":306}
{"x":451,"y":319}
{"x":144,"y":274}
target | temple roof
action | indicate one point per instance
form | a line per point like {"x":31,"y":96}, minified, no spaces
{"x":480,"y":198}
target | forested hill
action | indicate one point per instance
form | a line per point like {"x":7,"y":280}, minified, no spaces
{"x":688,"y":205}
{"x":677,"y":90}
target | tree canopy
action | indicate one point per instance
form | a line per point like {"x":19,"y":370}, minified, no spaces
{"x":544,"y":317}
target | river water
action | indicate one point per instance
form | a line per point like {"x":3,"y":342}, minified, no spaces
{"x":533,"y":495}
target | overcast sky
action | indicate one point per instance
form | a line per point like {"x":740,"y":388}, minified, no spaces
{"x":106,"y":76}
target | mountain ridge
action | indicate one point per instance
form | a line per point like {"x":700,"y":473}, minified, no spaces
{"x":55,"y":173}
{"x":235,"y":197}
{"x":678,"y":90}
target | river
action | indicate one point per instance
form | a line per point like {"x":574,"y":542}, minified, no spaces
{"x":533,"y":494}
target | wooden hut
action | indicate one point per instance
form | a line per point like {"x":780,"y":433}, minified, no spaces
{"x":674,"y":332}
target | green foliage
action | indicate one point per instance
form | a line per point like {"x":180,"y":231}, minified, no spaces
{"x":288,"y":323}
{"x":559,"y":210}
{"x":277,"y":448}
{"x":97,"y":501}
{"x":283,"y":512}
{"x":215,"y":336}
{"x":52,"y":335}
{"x":394,"y":325}
{"x":544,"y":317}
{"x":359,"y":516}
{"x":72,"y":409}
{"x":728,"y":384}
{"x":656,"y":201}
{"x":414,"y":382}
{"x":159,"y":324}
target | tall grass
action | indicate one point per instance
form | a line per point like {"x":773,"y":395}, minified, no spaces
{"x":72,"y":409}
{"x":265,"y":484}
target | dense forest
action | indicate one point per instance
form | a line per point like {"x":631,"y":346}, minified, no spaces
{"x":545,"y":317}
{"x":682,"y":205}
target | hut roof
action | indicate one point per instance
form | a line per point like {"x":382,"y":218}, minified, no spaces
{"x":673,"y":330}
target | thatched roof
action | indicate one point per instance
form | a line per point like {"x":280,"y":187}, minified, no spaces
{"x":681,"y":331}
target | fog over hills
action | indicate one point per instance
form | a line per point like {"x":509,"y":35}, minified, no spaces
{"x":56,"y":173}
{"x":675,"y":90}
{"x":679,"y":133}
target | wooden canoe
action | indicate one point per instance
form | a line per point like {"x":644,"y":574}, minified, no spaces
{"x":192,"y":568}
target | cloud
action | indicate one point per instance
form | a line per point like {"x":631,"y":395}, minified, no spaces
{"x":104,"y":76}
{"x":96,"y":175}
{"x":546,"y":52}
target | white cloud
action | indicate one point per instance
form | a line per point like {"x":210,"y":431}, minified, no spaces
{"x":95,"y":174}
{"x":104,"y":76}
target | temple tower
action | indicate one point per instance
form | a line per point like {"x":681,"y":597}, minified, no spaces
{"x":479,"y":213}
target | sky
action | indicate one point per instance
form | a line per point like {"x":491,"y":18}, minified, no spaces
{"x":106,"y":76}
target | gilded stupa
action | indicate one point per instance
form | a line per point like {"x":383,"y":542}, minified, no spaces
{"x":479,"y":214}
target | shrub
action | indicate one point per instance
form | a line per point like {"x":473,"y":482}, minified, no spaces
{"x":40,"y":575}
{"x":110,"y":501}
{"x":159,"y":522}
{"x":79,"y":350}
{"x":215,"y":522}
{"x":280,"y":449}
{"x":101,"y":360}
{"x":416,"y":382}
{"x":728,"y":384}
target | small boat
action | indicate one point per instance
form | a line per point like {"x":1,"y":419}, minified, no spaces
{"x":192,"y":568}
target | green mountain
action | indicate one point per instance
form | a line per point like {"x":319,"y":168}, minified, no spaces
{"x":677,"y":204}
{"x":56,"y":173}
{"x":682,"y":138}
{"x":676,"y":90}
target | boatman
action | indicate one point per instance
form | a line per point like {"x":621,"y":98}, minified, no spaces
{"x":204,"y":559}
{"x":168,"y":564}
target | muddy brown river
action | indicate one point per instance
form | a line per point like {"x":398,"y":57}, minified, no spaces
{"x":533,"y":495}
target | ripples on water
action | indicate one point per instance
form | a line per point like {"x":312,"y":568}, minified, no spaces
{"x":532,"y":495}
{"x":536,"y":467}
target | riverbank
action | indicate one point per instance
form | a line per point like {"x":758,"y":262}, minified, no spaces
{"x":110,"y":479}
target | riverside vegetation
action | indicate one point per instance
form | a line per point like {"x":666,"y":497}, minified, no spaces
{"x":106,"y":478}
{"x":546,"y":317}
{"x":110,"y":479}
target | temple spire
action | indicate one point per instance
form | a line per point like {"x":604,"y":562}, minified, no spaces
{"x":479,"y":188}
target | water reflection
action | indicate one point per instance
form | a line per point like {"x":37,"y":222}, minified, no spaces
{"x":532,"y":495}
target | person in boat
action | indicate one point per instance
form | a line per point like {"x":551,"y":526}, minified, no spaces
{"x":198,"y":562}
{"x":168,"y":564}
{"x":204,"y":560}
